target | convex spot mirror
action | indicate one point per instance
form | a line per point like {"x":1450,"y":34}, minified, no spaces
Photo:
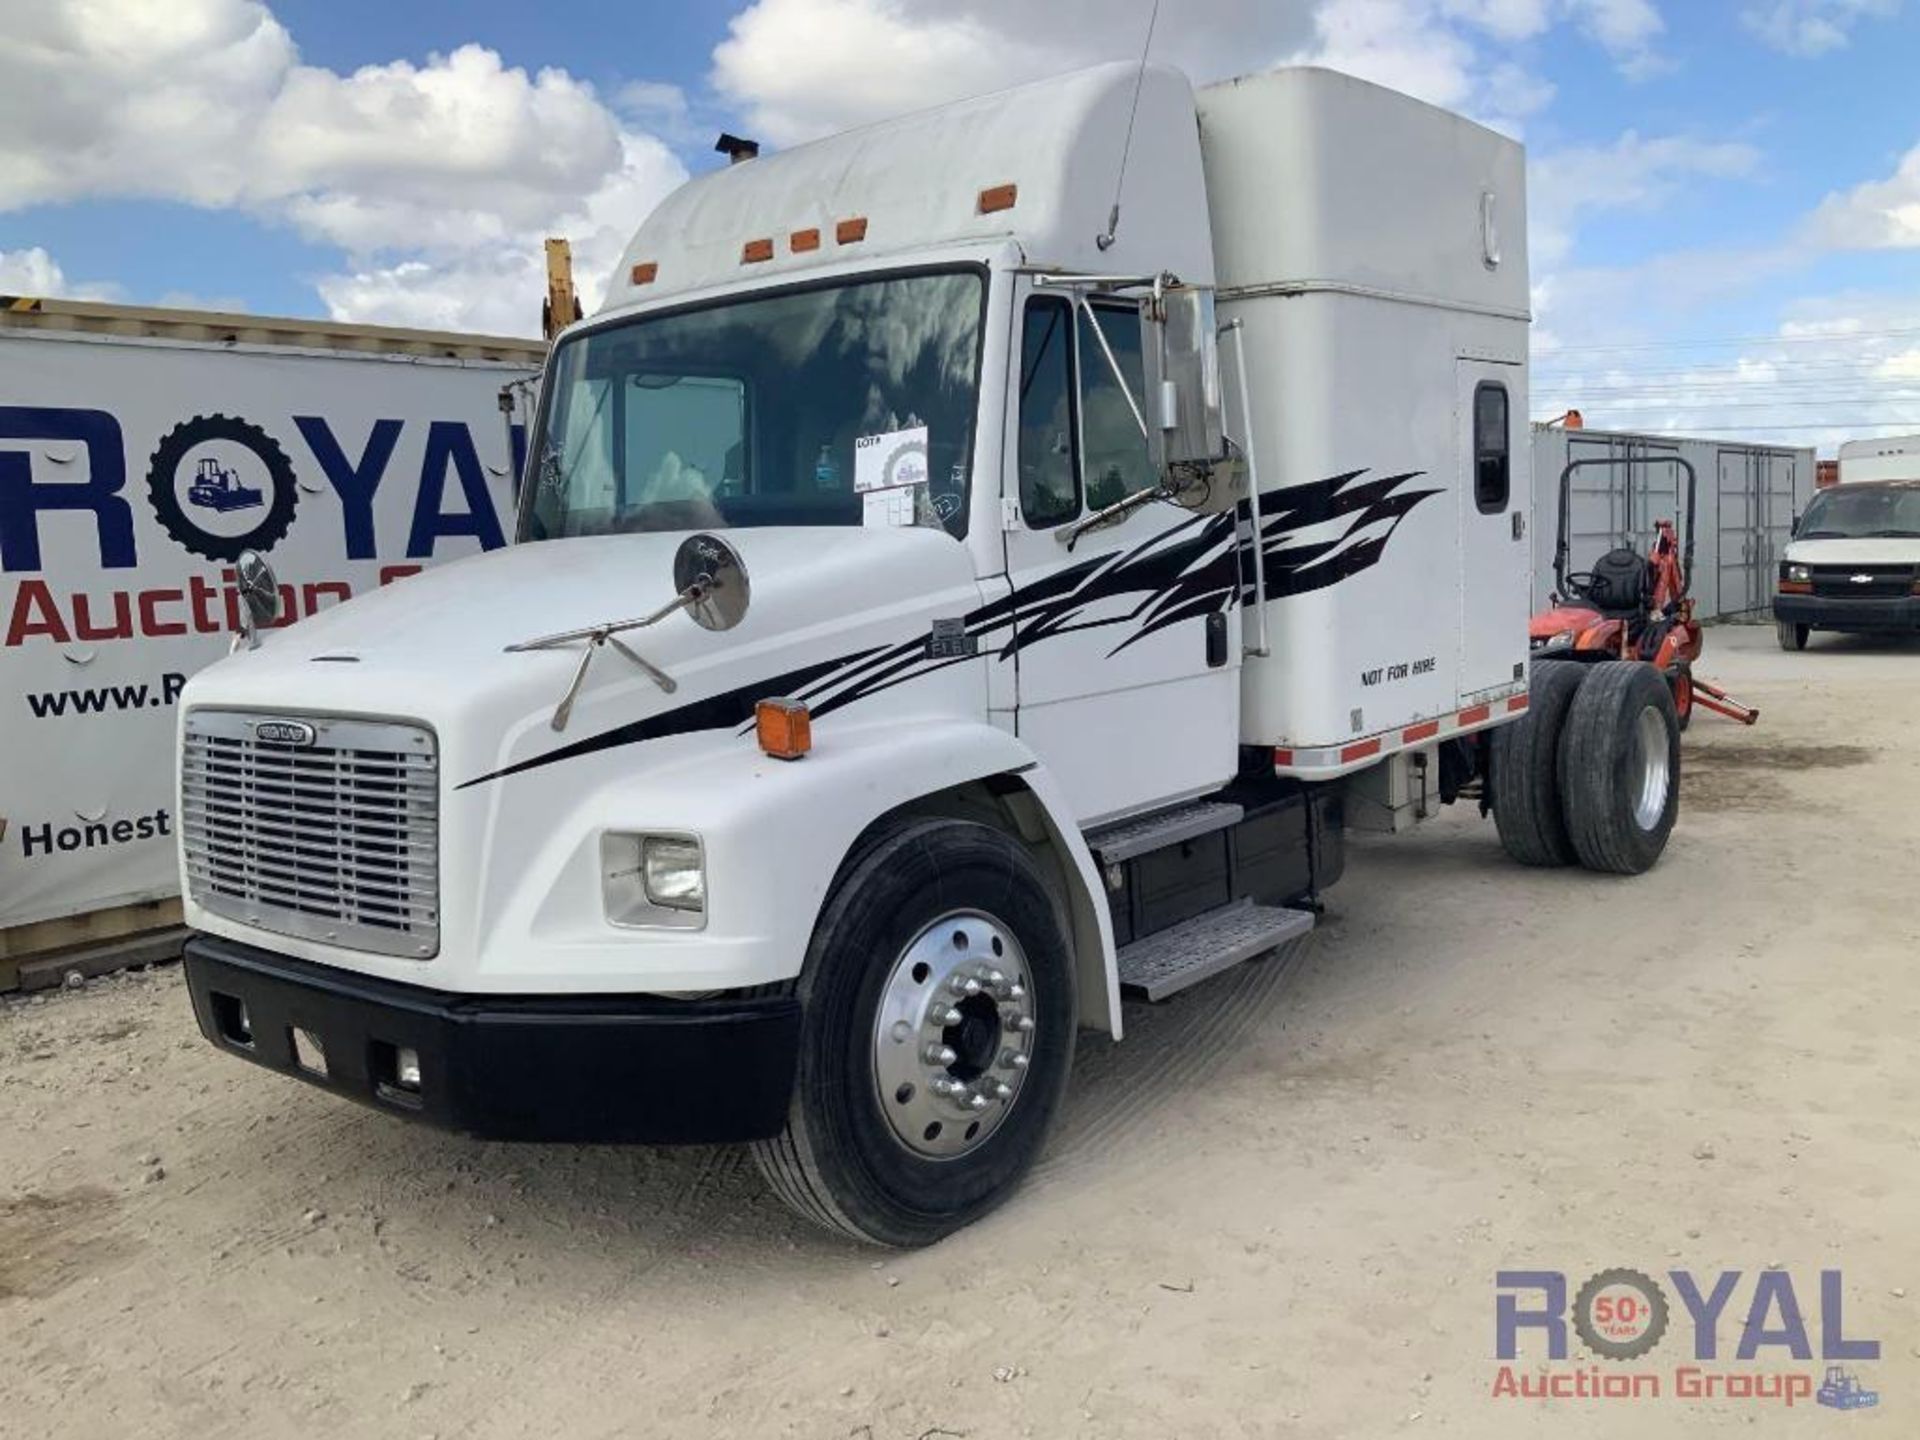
{"x":711,"y":575}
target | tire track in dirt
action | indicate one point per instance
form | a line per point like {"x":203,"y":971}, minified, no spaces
{"x":1121,"y":1092}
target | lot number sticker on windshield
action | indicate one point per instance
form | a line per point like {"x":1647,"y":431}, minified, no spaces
{"x":897,"y":457}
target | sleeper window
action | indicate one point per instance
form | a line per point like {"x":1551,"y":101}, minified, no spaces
{"x":1049,"y":486}
{"x":1492,"y":467}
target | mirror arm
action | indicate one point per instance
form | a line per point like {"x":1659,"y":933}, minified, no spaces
{"x":1118,"y":510}
{"x":652,"y":671}
{"x":1260,"y":646}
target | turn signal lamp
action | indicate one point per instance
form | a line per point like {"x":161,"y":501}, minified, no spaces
{"x":785,"y":728}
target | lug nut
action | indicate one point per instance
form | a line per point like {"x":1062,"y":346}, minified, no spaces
{"x":976,"y":1102}
{"x":963,"y":985}
{"x":1024,"y":1024}
{"x":943,"y":1085}
{"x":1012,"y":1060}
{"x":1002,"y":1090}
{"x":945,"y":1016}
{"x":940,"y":1055}
{"x":1017,"y":991}
{"x":994,"y":978}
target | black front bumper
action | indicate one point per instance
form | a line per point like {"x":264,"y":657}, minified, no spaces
{"x":578,"y":1068}
{"x":1897,"y":614}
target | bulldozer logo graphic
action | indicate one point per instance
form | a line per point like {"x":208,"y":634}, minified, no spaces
{"x":1842,"y":1390}
{"x":219,"y":485}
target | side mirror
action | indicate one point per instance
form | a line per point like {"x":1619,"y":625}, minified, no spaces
{"x":259,"y":591}
{"x":1794,"y":529}
{"x":712,"y":581}
{"x":1181,"y":345}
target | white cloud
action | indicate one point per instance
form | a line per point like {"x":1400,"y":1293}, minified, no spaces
{"x":1626,"y":30}
{"x":497,"y":288}
{"x":797,"y":69}
{"x":1835,"y":368}
{"x":1878,"y":215}
{"x":34,"y":272}
{"x":418,"y":171}
{"x":1633,"y":173}
{"x":1812,"y":27}
{"x":810,"y":67}
{"x":1404,"y":46}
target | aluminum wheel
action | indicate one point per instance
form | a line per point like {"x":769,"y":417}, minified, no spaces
{"x":1656,"y":772}
{"x":953,"y":1035}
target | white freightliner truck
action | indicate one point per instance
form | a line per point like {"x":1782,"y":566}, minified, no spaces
{"x":971,"y":568}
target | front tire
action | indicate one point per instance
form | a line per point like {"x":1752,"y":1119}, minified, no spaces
{"x":926,"y":1085}
{"x":1620,"y":768}
{"x":1792,"y":636}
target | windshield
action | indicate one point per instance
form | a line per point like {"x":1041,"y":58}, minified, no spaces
{"x":848,"y":404}
{"x":1858,"y":511}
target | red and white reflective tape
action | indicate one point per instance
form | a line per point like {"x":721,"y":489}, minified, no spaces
{"x":1320,"y":762}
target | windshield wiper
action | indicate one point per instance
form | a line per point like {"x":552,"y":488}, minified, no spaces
{"x":1895,"y":534}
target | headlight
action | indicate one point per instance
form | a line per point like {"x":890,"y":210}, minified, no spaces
{"x":653,"y":879}
{"x":1799,"y":574}
{"x":1560,"y":640}
{"x":675,"y":877}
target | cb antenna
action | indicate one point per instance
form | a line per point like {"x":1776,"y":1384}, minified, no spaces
{"x":1105,"y":241}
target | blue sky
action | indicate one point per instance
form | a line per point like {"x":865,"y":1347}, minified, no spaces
{"x":1724,"y":234}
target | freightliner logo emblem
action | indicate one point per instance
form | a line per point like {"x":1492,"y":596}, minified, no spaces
{"x":284,"y":732}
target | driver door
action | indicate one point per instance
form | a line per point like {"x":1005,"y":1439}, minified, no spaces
{"x":1126,"y":642}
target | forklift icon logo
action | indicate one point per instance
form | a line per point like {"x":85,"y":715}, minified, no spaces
{"x":219,"y":489}
{"x":1842,"y":1390}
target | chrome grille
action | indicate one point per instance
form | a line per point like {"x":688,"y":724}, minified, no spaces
{"x":333,"y":839}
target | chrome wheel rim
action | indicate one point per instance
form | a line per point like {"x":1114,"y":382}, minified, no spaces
{"x":953,"y":1035}
{"x":1655,"y":767}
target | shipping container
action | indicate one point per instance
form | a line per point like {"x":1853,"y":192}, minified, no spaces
{"x":1747,"y":498}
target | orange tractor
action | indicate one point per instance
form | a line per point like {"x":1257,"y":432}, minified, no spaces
{"x":1632,"y":606}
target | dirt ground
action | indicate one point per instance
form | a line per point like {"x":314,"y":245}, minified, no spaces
{"x":1276,"y":1209}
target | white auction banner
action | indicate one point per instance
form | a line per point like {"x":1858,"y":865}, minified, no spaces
{"x":133,"y":471}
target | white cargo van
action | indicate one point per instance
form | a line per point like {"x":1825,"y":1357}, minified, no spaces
{"x":970,"y":569}
{"x":1854,"y":562}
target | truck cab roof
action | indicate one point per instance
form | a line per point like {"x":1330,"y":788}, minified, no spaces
{"x":1036,"y":165}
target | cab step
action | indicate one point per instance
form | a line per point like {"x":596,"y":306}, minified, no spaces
{"x":1146,"y":833}
{"x":1168,"y":962}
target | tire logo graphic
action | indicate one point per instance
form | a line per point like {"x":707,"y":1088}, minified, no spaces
{"x":239,"y":474}
{"x":1620,"y":1314}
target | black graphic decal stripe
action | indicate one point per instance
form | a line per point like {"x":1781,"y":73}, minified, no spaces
{"x":716,"y":712}
{"x":1193,"y":569}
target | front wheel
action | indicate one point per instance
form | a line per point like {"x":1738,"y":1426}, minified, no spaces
{"x":1620,"y":768}
{"x":1792,"y":636}
{"x":937,"y":1032}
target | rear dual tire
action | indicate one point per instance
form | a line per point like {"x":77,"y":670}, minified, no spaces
{"x":1619,"y":768}
{"x":1527,"y":809}
{"x":1592,"y":773}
